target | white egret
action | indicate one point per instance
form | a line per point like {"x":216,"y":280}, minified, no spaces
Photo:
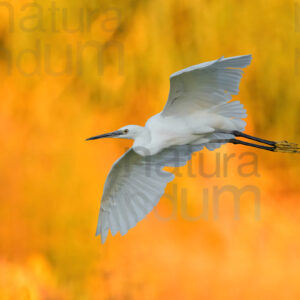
{"x":198,"y":114}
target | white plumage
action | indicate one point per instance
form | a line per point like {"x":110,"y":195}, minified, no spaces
{"x":197,"y":114}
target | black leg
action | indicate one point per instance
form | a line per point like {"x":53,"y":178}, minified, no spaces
{"x":238,"y":142}
{"x":282,"y":146}
{"x":250,"y":137}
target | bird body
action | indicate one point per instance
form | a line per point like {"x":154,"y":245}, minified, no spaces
{"x":161,"y":132}
{"x":199,"y":113}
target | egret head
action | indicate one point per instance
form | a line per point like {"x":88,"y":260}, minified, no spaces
{"x":126,"y":132}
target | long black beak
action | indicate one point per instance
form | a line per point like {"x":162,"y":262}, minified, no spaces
{"x":106,"y":135}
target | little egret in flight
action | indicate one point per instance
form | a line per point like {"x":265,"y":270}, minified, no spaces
{"x":198,"y":114}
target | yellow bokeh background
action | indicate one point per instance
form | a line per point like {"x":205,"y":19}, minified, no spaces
{"x":73,"y":69}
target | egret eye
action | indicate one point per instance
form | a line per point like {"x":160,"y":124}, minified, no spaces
{"x":126,"y":131}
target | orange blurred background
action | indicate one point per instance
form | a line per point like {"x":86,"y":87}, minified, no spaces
{"x":70,"y":70}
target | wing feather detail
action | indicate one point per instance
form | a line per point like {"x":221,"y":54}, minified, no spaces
{"x":134,"y":186}
{"x":205,"y":85}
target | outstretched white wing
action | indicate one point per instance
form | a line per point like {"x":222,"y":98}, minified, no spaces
{"x":134,"y":186}
{"x":205,"y":85}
